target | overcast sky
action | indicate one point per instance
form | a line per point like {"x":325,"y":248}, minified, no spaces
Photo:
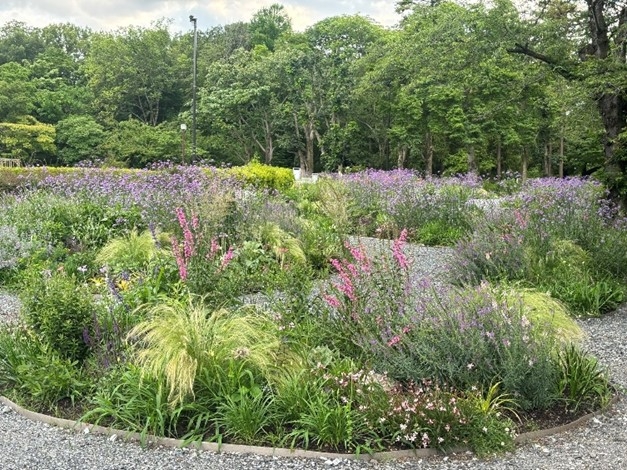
{"x":111,"y":14}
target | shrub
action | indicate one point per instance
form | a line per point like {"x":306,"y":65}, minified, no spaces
{"x":76,"y":224}
{"x":34,"y":374}
{"x":462,"y":337}
{"x":13,"y":249}
{"x":58,"y":309}
{"x":152,"y":194}
{"x":552,"y":235}
{"x":385,"y":202}
{"x":263,"y":176}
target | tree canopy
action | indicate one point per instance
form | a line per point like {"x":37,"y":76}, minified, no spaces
{"x":454,"y":87}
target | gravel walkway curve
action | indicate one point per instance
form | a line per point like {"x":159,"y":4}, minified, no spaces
{"x":601,"y":443}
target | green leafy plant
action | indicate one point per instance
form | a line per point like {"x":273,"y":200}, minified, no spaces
{"x":438,"y":232}
{"x":327,"y":424}
{"x":582,"y":382}
{"x":246,"y":416}
{"x":34,"y":374}
{"x":488,"y":431}
{"x":59,"y":309}
{"x":588,"y":296}
{"x":129,"y":253}
{"x":129,"y":400}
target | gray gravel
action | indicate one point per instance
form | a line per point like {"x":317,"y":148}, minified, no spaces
{"x":9,"y":308}
{"x":602,"y":443}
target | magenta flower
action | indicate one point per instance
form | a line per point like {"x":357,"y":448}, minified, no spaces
{"x":332,"y":301}
{"x":397,"y":250}
{"x":180,"y":259}
{"x":227,"y":258}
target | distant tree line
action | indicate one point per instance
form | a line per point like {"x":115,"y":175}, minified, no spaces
{"x":453,"y":88}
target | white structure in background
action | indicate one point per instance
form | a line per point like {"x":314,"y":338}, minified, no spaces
{"x":297,"y":177}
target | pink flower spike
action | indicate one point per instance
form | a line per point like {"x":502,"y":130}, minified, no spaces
{"x":181,"y":262}
{"x":332,"y":301}
{"x":214,"y":246}
{"x":226,"y":259}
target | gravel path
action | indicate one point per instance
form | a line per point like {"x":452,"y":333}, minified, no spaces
{"x":602,"y":443}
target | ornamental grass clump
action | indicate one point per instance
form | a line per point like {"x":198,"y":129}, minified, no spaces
{"x":130,"y":253}
{"x":183,"y":340}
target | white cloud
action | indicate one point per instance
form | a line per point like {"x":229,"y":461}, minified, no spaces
{"x":112,"y":14}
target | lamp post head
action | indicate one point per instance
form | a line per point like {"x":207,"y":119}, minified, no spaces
{"x":192,"y":18}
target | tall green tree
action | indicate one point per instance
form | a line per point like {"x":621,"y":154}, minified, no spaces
{"x":134,"y":73}
{"x":599,"y":62}
{"x":78,"y":138}
{"x":16,"y":92}
{"x":268,"y":25}
{"x":19,"y":43}
{"x":242,"y":102}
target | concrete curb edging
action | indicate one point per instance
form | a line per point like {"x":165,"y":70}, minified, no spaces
{"x":277,"y":451}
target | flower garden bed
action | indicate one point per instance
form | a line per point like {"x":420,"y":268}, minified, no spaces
{"x":133,"y":309}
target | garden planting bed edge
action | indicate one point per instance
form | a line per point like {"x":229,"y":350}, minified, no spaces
{"x":279,"y":451}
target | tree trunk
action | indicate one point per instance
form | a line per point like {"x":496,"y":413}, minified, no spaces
{"x":525,"y":163}
{"x":269,"y":150}
{"x":562,"y":155}
{"x":309,"y":130}
{"x":302,"y":157}
{"x":472,"y":161}
{"x":429,"y":154}
{"x":403,"y":150}
{"x":499,"y":159}
{"x":548,"y":150}
{"x":612,"y":106}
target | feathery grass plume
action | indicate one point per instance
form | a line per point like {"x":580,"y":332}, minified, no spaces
{"x":179,"y":339}
{"x":128,"y":253}
{"x":543,"y":309}
{"x":285,"y":247}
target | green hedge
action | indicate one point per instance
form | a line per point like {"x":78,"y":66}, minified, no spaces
{"x":12,"y":178}
{"x":264,"y":176}
{"x":254,"y":173}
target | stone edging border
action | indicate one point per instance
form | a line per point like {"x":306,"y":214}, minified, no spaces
{"x":282,"y":452}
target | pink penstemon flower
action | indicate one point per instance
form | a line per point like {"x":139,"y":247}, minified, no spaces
{"x":346,"y":287}
{"x":181,"y":262}
{"x":397,"y":250}
{"x":332,"y":301}
{"x":188,"y":237}
{"x":227,"y":258}
{"x":214,"y":247}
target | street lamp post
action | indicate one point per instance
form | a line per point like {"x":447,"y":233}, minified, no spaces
{"x":193,"y":19}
